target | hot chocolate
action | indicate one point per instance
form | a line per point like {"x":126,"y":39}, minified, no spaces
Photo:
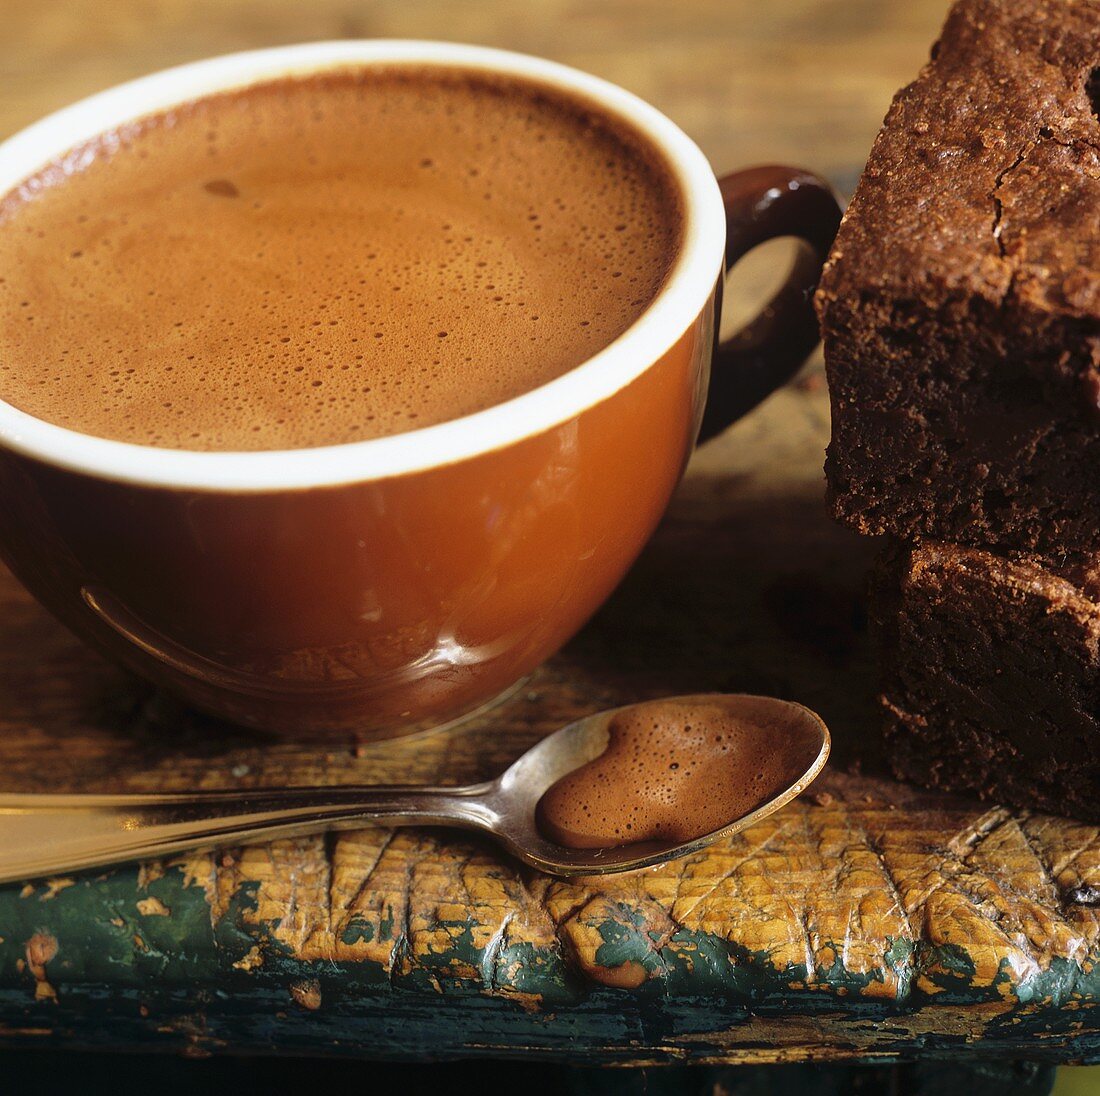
{"x":327,"y":258}
{"x":672,"y":772}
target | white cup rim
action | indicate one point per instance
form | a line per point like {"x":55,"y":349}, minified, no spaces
{"x":688,"y":286}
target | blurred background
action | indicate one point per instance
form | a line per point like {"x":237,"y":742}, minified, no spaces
{"x":798,"y":81}
{"x":751,"y":80}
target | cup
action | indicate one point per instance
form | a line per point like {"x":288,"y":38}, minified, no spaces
{"x":402,"y":581}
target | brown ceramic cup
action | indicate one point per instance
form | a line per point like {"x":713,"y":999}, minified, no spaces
{"x":406,"y":580}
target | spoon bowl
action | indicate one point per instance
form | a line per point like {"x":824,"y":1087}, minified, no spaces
{"x":53,"y":834}
{"x":803,"y":749}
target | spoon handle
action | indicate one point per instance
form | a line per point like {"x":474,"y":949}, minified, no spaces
{"x":52,"y":834}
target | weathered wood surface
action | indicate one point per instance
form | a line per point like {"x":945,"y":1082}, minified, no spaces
{"x":866,"y":920}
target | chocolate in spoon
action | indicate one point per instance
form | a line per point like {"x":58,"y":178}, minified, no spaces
{"x":737,"y":758}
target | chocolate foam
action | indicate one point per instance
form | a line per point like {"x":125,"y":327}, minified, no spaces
{"x":675,"y":771}
{"x":326,"y":259}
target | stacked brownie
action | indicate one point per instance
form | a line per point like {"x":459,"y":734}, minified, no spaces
{"x":961,"y":319}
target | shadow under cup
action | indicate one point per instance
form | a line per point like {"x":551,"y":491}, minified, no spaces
{"x":384,"y":585}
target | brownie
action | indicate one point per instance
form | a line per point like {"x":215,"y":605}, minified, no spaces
{"x":990,"y":673}
{"x":961,"y":304}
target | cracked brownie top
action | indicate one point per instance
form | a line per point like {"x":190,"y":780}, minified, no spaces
{"x":985,"y":178}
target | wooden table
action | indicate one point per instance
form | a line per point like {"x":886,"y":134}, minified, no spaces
{"x":868,"y":920}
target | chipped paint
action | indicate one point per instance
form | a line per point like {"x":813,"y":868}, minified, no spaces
{"x":54,"y":887}
{"x":307,"y":994}
{"x":39,"y":950}
{"x":251,"y":961}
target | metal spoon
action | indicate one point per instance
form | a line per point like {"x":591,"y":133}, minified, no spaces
{"x":53,"y":834}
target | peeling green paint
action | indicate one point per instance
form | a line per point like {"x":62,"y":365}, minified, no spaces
{"x":124,"y":977}
{"x":357,"y":930}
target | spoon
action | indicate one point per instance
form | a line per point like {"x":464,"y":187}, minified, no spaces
{"x":53,"y":834}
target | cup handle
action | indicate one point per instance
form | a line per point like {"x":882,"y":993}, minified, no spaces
{"x":763,"y":203}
